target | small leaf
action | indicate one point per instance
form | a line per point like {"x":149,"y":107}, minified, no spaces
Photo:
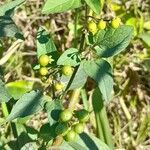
{"x":100,"y":70}
{"x":52,"y":6}
{"x":78,"y":81}
{"x":53,"y":109}
{"x":146,"y":38}
{"x":45,"y":43}
{"x":4,"y":95}
{"x":18,"y":88}
{"x":28,"y":104}
{"x":69,"y":57}
{"x":110,"y":42}
{"x":95,"y":5}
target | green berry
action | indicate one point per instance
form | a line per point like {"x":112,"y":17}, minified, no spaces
{"x":92,"y":27}
{"x":79,"y":128}
{"x":67,"y":70}
{"x":58,"y":86}
{"x":70,"y":136}
{"x":101,"y":25}
{"x":65,"y":115}
{"x":43,"y":71}
{"x":44,"y":60}
{"x":82,"y":115}
{"x":116,"y":22}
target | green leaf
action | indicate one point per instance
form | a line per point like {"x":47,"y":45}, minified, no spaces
{"x":9,"y":28}
{"x":111,"y":41}
{"x":52,"y":6}
{"x":7,"y":8}
{"x":146,"y":38}
{"x":45,"y":43}
{"x":53,"y":109}
{"x":78,"y":81}
{"x":85,"y":142}
{"x":95,"y":5}
{"x":69,"y":57}
{"x":18,"y":88}
{"x":28,"y":104}
{"x":4,"y":95}
{"x":100,"y":70}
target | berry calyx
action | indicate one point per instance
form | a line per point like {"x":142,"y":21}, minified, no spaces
{"x":43,"y":71}
{"x":65,"y":115}
{"x":58,"y":86}
{"x":70,"y":136}
{"x":44,"y":60}
{"x":82,"y":115}
{"x":101,"y":25}
{"x":67,"y":70}
{"x":79,"y":128}
{"x":116,"y":22}
{"x":92,"y":27}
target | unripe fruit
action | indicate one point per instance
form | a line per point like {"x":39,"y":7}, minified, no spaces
{"x":92,"y":27}
{"x":67,"y":70}
{"x":82,"y":115}
{"x":65,"y":115}
{"x":43,"y":71}
{"x":58,"y":86}
{"x":70,"y":136}
{"x":101,"y":25}
{"x":79,"y":128}
{"x":116,"y":22}
{"x":43,"y":60}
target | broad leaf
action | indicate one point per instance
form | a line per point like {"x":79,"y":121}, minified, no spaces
{"x":95,"y":5}
{"x":100,"y":70}
{"x":53,"y":108}
{"x":69,"y":57}
{"x":110,"y":42}
{"x":4,"y":95}
{"x":7,"y":8}
{"x":18,"y":88}
{"x":52,"y":6}
{"x":78,"y":81}
{"x":28,"y":104}
{"x":85,"y":142}
{"x":45,"y":43}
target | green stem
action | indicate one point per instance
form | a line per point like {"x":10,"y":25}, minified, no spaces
{"x":75,"y":27}
{"x":84,"y":99}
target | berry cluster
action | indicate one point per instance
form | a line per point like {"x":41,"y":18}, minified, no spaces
{"x":93,"y":27}
{"x":71,"y":123}
{"x":44,"y":61}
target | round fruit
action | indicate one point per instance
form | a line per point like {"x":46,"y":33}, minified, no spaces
{"x":82,"y":115}
{"x":79,"y":128}
{"x":43,"y":71}
{"x":116,"y":22}
{"x":58,"y":86}
{"x":101,"y":25}
{"x":65,"y":115}
{"x":70,"y":136}
{"x":67,"y":70}
{"x":92,"y":27}
{"x":43,"y":60}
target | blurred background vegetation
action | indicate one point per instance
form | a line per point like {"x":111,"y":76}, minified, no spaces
{"x":129,"y":110}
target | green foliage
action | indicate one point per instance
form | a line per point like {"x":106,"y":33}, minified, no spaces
{"x":60,"y":6}
{"x":146,"y":38}
{"x":95,"y":5}
{"x":70,"y":57}
{"x":111,"y":41}
{"x":28,"y":104}
{"x":21,"y":86}
{"x":4,"y":95}
{"x":100,"y":70}
{"x":45,"y":44}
